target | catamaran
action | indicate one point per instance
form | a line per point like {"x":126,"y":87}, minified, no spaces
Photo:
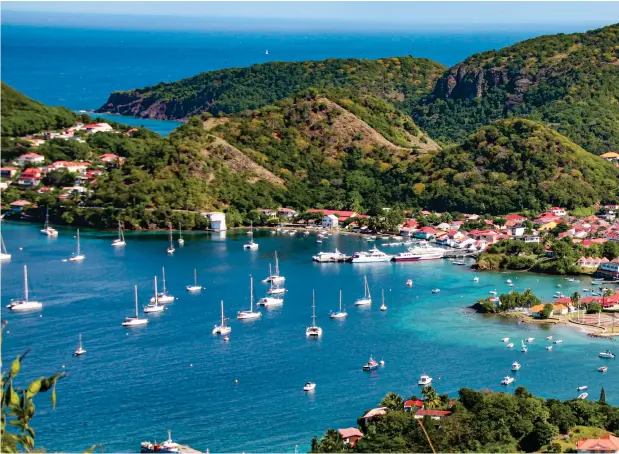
{"x":222,"y":329}
{"x":47,"y":229}
{"x":250,"y":314}
{"x":163,"y":297}
{"x":313,"y":331}
{"x":195,"y":287}
{"x":77,"y":256}
{"x":80,"y":350}
{"x":171,"y":249}
{"x":154,"y":306}
{"x":4,"y":254}
{"x":181,"y":241}
{"x":275,"y":278}
{"x":135,"y":321}
{"x":252,"y":246}
{"x":367,"y":298}
{"x":341,"y":313}
{"x":120,"y":241}
{"x":25,"y":304}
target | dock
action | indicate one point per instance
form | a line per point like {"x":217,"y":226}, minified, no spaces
{"x":454,"y":253}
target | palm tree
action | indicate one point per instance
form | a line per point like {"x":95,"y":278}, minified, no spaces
{"x":575,"y":300}
{"x":430,"y":397}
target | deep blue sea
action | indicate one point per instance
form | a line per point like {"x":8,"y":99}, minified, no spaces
{"x":133,"y":384}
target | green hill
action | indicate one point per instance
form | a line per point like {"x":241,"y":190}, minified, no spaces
{"x":569,"y":82}
{"x":400,"y":79}
{"x":22,"y":115}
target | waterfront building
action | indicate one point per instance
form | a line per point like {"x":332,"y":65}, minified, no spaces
{"x":218,"y":221}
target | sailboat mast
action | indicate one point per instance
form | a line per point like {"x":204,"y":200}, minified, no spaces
{"x":313,"y":309}
{"x":26,"y":283}
{"x":135,"y":291}
{"x":78,"y":241}
{"x":180,"y":231}
{"x":80,"y":342}
{"x":276,"y":265}
{"x":163,"y":275}
{"x":340,"y":301}
{"x":156,"y":293}
{"x":171,"y":244}
{"x":251,"y":293}
{"x":383,"y":291}
{"x":222,"y":312}
{"x":195,"y":277}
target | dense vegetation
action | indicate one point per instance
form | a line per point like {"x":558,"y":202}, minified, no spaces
{"x":482,"y":421}
{"x":568,"y":81}
{"x":507,"y":302}
{"x":22,"y":115}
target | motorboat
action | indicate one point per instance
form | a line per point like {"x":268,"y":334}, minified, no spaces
{"x":409,"y":283}
{"x":222,"y":329}
{"x":367,"y":297}
{"x":340,"y":313}
{"x":120,"y":241}
{"x":549,"y":338}
{"x":181,"y":241}
{"x":275,"y":278}
{"x":558,"y":341}
{"x":602,"y":369}
{"x":516,"y":366}
{"x":505,"y":339}
{"x":47,"y":229}
{"x":607,"y":354}
{"x":493,"y":292}
{"x":372,"y":256}
{"x":77,"y":256}
{"x":422,"y":252}
{"x":510,"y":345}
{"x":268,"y":301}
{"x":250,"y":314}
{"x":508,"y":281}
{"x":372,"y":364}
{"x":529,"y":339}
{"x":163,"y":297}
{"x":167,"y":446}
{"x":80,"y":350}
{"x":436,"y":290}
{"x":251,"y":245}
{"x":583,"y":396}
{"x":135,"y":321}
{"x":313,"y":331}
{"x":511,"y":285}
{"x":549,"y":347}
{"x":424,"y":380}
{"x":195,"y":288}
{"x":154,"y":306}
{"x":475,"y":279}
{"x":25,"y":304}
{"x":581,"y":388}
{"x":335,"y":256}
{"x":508,"y":381}
{"x":309,"y":386}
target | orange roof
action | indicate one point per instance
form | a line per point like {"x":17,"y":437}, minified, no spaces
{"x":350,"y":432}
{"x":537,"y":308}
{"x":607,"y":443}
{"x":610,"y":154}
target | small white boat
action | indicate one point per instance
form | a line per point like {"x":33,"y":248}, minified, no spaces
{"x":276,"y":290}
{"x":313,"y":331}
{"x":508,"y":281}
{"x":319,"y":241}
{"x":511,"y":285}
{"x":163,"y":297}
{"x":581,"y":388}
{"x":586,"y":289}
{"x":549,"y":347}
{"x":508,"y":381}
{"x":583,"y":396}
{"x":606,"y":354}
{"x":524,"y":348}
{"x":222,"y":329}
{"x":367,"y":297}
{"x":135,"y":321}
{"x":510,"y":345}
{"x":341,"y":313}
{"x":436,"y":290}
{"x":529,"y":339}
{"x":120,"y":241}
{"x":549,"y":338}
{"x":80,"y":350}
{"x":409,"y":283}
{"x":505,"y":339}
{"x":309,"y":386}
{"x":493,"y":292}
{"x":25,"y":304}
{"x":516,"y":366}
{"x":424,"y":380}
{"x":170,"y":250}
{"x":475,"y":279}
{"x":154,"y":306}
{"x":268,"y":301}
{"x":383,"y":307}
{"x":77,"y":256}
{"x":251,"y":246}
{"x":47,"y":229}
{"x":602,"y":369}
{"x":250,"y":314}
{"x":4,"y":254}
{"x":195,"y":288}
{"x":558,"y":341}
{"x":181,"y":241}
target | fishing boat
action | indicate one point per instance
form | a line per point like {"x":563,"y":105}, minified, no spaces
{"x":47,"y":229}
{"x":167,"y":446}
{"x":581,"y":388}
{"x":251,"y":246}
{"x":77,"y":256}
{"x":222,"y":329}
{"x":80,"y":350}
{"x":510,"y":345}
{"x":181,"y":241}
{"x":424,"y":380}
{"x":524,"y":348}
{"x":269,"y":301}
{"x":505,"y":339}
{"x":508,"y":381}
{"x":372,"y":364}
{"x":583,"y":396}
{"x":309,"y":386}
{"x":4,"y":254}
{"x":120,"y":241}
{"x":154,"y":306}
{"x":135,"y":321}
{"x":163,"y":297}
{"x":602,"y":369}
{"x":606,"y":354}
{"x":195,"y":287}
{"x":250,"y":314}
{"x":275,"y":277}
{"x":383,"y":307}
{"x":516,"y":366}
{"x":341,"y":313}
{"x":170,"y":250}
{"x":25,"y":304}
{"x":372,"y":256}
{"x":313,"y":331}
{"x":367,"y":297}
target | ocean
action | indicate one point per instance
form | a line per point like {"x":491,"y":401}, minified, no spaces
{"x":134,"y":384}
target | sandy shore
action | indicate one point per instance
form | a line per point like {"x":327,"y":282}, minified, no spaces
{"x":591,"y":330}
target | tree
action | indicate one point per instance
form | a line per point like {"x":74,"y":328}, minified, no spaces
{"x":542,"y":434}
{"x":430,"y":397}
{"x":602,"y":396}
{"x":392,"y":401}
{"x":546,"y":312}
{"x":594,"y":308}
{"x":331,"y":442}
{"x":59,"y":178}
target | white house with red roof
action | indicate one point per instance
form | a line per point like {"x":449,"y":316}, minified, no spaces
{"x":606,"y":444}
{"x":342,"y":215}
{"x":287,"y":212}
{"x":558,"y":211}
{"x":75,"y":167}
{"x":433,"y":414}
{"x":30,"y":178}
{"x":97,"y":127}
{"x":30,"y":158}
{"x":111,"y":158}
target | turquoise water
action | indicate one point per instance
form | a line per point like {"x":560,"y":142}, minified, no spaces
{"x":163,"y":127}
{"x":133,"y":384}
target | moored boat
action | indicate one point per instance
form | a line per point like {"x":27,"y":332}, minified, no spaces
{"x":424,"y":380}
{"x":309,"y":386}
{"x":606,"y":354}
{"x":167,"y":446}
{"x":374,"y":255}
{"x":508,"y":380}
{"x":516,"y":366}
{"x":341,"y":313}
{"x":372,"y":364}
{"x":313,"y":331}
{"x":250,"y":314}
{"x":135,"y":321}
{"x":25,"y":304}
{"x":367,"y":297}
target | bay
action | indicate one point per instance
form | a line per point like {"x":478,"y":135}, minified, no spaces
{"x":133,"y":385}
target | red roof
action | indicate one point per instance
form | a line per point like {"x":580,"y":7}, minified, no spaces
{"x":350,"y":432}
{"x":428,"y":230}
{"x":92,"y":125}
{"x":30,"y":156}
{"x":31,"y":173}
{"x":563,"y":300}
{"x":342,"y":215}
{"x":514,"y":217}
{"x":410,"y":223}
{"x":413,"y":403}
{"x":607,"y":443}
{"x":20,"y":203}
{"x":433,"y":413}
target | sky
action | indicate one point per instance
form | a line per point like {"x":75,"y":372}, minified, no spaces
{"x":371,"y":12}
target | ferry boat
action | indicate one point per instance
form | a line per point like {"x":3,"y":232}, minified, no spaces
{"x":25,"y":304}
{"x":372,"y":364}
{"x":374,"y":255}
{"x":167,"y":446}
{"x":422,"y":252}
{"x":47,"y":229}
{"x":508,"y":381}
{"x":335,"y":256}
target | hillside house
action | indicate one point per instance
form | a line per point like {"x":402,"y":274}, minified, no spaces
{"x":350,"y":435}
{"x":434,"y":414}
{"x":330,"y":221}
{"x":558,"y":211}
{"x":30,"y":178}
{"x":74,"y":167}
{"x":287,"y":213}
{"x":611,"y":156}
{"x":425,"y":233}
{"x":8,"y":172}
{"x":591,"y":263}
{"x":19,"y":205}
{"x":267,"y":212}
{"x":97,"y":127}
{"x":111,"y":159}
{"x":606,"y":444}
{"x":30,"y":158}
{"x":218,"y":220}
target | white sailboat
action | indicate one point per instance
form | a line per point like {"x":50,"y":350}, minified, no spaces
{"x":222,"y":329}
{"x":195,"y":287}
{"x":120,"y":241}
{"x":252,"y":246}
{"x":80,"y":350}
{"x":77,"y":256}
{"x":313,"y":331}
{"x":367,"y":298}
{"x":181,"y":241}
{"x":154,"y":306}
{"x":270,"y":301}
{"x":383,"y":307}
{"x":163,"y":297}
{"x":47,"y":229}
{"x":341,"y":313}
{"x":171,"y":249}
{"x":135,"y":321}
{"x":4,"y":254}
{"x":276,"y":289}
{"x":250,"y":314}
{"x":25,"y":304}
{"x":275,"y":277}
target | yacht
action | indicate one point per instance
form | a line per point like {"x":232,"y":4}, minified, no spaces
{"x":80,"y":350}
{"x":507,"y":381}
{"x":276,"y":290}
{"x":170,"y":250}
{"x":607,"y":354}
{"x":505,"y":339}
{"x":424,"y":380}
{"x":251,"y":246}
{"x":582,"y":388}
{"x":222,"y":329}
{"x":313,"y":331}
{"x":335,"y":256}
{"x":120,"y":241}
{"x":25,"y":304}
{"x":77,"y":256}
{"x":269,"y":301}
{"x":309,"y":386}
{"x":583,"y":396}
{"x":135,"y":321}
{"x":421,"y":252}
{"x":367,"y":297}
{"x":383,"y":307}
{"x":195,"y":287}
{"x":549,"y":347}
{"x":508,"y":281}
{"x":250,"y":314}
{"x":154,"y":306}
{"x":372,"y":364}
{"x":181,"y":241}
{"x":275,"y":278}
{"x":163,"y":297}
{"x":372,"y":256}
{"x":4,"y":254}
{"x":341,"y":313}
{"x":549,"y":338}
{"x":436,"y":290}
{"x":166,"y":447}
{"x":47,"y":229}
{"x":516,"y":366}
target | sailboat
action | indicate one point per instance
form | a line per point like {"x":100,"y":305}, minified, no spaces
{"x":77,"y":256}
{"x":341,"y":313}
{"x":154,"y":306}
{"x":80,"y":350}
{"x":181,"y":241}
{"x":47,"y":230}
{"x":120,"y":241}
{"x":275,"y":278}
{"x":25,"y":304}
{"x":266,"y":52}
{"x":135,"y":321}
{"x":250,"y":314}
{"x":313,"y":331}
{"x":163,"y":297}
{"x":222,"y":329}
{"x":195,"y":287}
{"x":367,"y":298}
{"x":171,"y":249}
{"x":383,"y":307}
{"x":4,"y":254}
{"x":276,"y":289}
{"x":252,"y":246}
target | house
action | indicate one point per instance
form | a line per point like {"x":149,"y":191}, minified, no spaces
{"x":74,"y":167}
{"x":8,"y":172}
{"x":531,"y":239}
{"x":515,"y":217}
{"x":30,"y":178}
{"x":444,"y":226}
{"x":4,"y":185}
{"x":412,"y":405}
{"x":517,"y":230}
{"x":30,"y":158}
{"x":607,"y":443}
{"x":97,"y":127}
{"x":111,"y":159}
{"x":425,"y":233}
{"x":342,"y":215}
{"x":350,"y":435}
{"x":486,"y":236}
{"x":559,"y":309}
{"x":375,"y":413}
{"x":218,"y":220}
{"x":287,"y":213}
{"x":611,"y":156}
{"x":609,"y":270}
{"x":558,"y":211}
{"x":19,"y":205}
{"x":330,"y":221}
{"x":434,"y":414}
{"x":35,"y":142}
{"x":45,"y":189}
{"x":267,"y":212}
{"x":590,"y":262}
{"x":536,"y":311}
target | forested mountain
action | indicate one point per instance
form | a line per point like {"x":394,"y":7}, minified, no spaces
{"x":569,"y":82}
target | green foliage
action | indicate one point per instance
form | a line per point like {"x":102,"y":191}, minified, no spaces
{"x":594,"y":308}
{"x":508,"y":302}
{"x":546,"y":312}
